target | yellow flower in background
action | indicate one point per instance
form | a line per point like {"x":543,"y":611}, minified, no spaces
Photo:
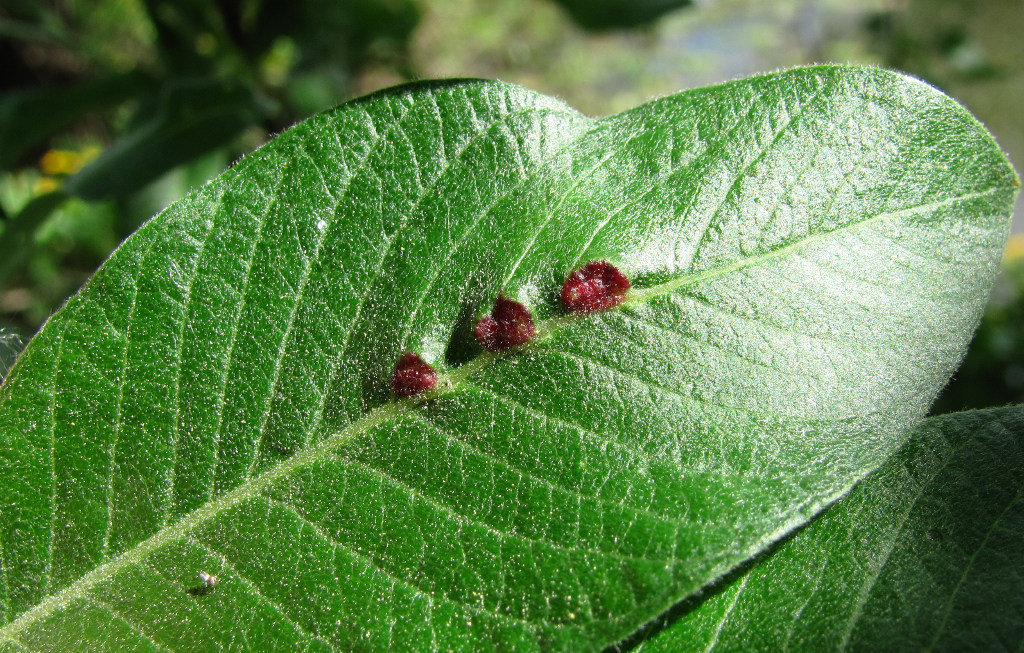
{"x":67,"y":162}
{"x":1014,"y":249}
{"x":60,"y":163}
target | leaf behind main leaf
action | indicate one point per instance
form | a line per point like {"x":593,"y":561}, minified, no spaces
{"x":810,"y":252}
{"x":923,"y":555}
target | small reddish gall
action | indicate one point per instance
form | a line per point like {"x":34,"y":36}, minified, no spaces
{"x":510,"y":324}
{"x":412,"y":376}
{"x":596,"y":286}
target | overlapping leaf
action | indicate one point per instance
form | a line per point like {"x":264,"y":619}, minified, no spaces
{"x":924,"y":555}
{"x":810,"y":252}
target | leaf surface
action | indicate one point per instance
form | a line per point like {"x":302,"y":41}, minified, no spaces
{"x":809,"y":252}
{"x":924,"y":555}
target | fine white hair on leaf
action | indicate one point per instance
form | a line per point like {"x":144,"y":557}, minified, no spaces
{"x":11,"y":345}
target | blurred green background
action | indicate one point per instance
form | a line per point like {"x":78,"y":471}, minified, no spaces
{"x":112,"y":109}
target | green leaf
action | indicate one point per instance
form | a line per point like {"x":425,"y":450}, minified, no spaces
{"x":924,"y":555}
{"x":810,"y":251}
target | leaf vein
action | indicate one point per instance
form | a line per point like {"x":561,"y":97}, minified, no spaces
{"x":688,"y":280}
{"x":119,"y":405}
{"x":251,"y":585}
{"x":415,"y":493}
{"x":650,"y":384}
{"x":407,"y":584}
{"x":5,"y":605}
{"x":48,"y":569}
{"x":879,"y":564}
{"x":549,"y":485}
{"x":725,"y":616}
{"x":439,"y":266}
{"x":711,"y":346}
{"x":669,"y":175}
{"x":551,"y":214}
{"x":969,"y":566}
{"x":599,"y":438}
{"x":221,"y":400}
{"x":791,"y":120}
{"x":131,"y":623}
{"x":286,"y":338}
{"x":379,"y":267}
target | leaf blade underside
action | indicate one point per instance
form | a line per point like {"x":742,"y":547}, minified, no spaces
{"x":810,"y":252}
{"x":923,"y":555}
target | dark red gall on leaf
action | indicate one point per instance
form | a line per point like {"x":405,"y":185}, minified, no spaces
{"x":510,"y":324}
{"x":412,"y":376}
{"x":596,"y":286}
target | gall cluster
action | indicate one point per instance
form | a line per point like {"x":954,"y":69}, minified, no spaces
{"x":597,"y":286}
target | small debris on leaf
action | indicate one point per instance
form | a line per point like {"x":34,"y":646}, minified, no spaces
{"x":209,"y":581}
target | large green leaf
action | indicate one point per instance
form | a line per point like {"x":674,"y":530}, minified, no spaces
{"x":927,"y":554}
{"x":810,"y":252}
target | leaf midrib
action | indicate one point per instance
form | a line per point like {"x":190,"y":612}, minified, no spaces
{"x":447,"y":383}
{"x":210,"y":510}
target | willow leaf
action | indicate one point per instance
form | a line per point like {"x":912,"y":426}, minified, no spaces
{"x":809,"y":250}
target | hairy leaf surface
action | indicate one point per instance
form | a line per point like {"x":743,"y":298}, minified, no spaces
{"x":809,"y":251}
